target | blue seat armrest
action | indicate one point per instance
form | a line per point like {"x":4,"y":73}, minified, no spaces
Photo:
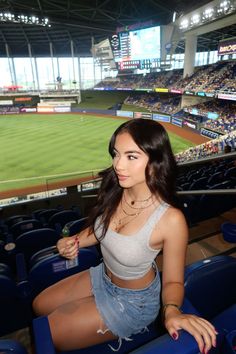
{"x":23,"y":285}
{"x":226,"y":319}
{"x":21,"y":269}
{"x":185,"y":344}
{"x":42,"y":336}
{"x":11,"y":346}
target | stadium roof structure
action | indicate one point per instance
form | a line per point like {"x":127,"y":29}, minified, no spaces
{"x":82,"y":20}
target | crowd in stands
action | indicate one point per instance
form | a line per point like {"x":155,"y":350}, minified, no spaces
{"x":9,"y":110}
{"x":223,"y":144}
{"x":209,"y":78}
{"x":224,"y":110}
{"x":155,"y":103}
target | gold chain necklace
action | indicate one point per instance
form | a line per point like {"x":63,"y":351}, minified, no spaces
{"x":128,"y":214}
{"x":138,"y":201}
{"x":119,"y":224}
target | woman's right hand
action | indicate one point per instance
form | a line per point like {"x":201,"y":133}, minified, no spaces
{"x":68,"y":247}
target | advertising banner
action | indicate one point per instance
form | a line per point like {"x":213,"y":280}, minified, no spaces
{"x":227,"y":96}
{"x":143,"y":115}
{"x":128,"y":114}
{"x":160,"y":89}
{"x":189,"y":124}
{"x":161,"y":117}
{"x":177,"y":121}
{"x":6,"y":102}
{"x":227,"y":46}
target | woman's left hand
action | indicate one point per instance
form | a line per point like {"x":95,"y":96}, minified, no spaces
{"x":202,"y":330}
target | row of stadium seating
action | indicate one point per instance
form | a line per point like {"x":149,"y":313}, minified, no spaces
{"x":209,"y":78}
{"x":209,"y":291}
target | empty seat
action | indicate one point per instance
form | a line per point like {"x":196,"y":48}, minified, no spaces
{"x":50,"y":269}
{"x":58,"y":220}
{"x":32,"y":241}
{"x":230,"y":172}
{"x":15,"y":312}
{"x":45,"y":215}
{"x":24,"y":226}
{"x":76,"y":226}
{"x":210,"y":291}
{"x":11,"y":346}
{"x":229,"y":231}
{"x":215,"y":178}
{"x":200,"y":183}
{"x":16,"y":218}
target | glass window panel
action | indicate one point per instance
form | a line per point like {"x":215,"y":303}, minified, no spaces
{"x":47,"y":73}
{"x":69,"y":72}
{"x":5,"y":77}
{"x":24,"y":74}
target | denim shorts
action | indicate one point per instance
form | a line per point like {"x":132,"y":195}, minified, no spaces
{"x":125,"y":311}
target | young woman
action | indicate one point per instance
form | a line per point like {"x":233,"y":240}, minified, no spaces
{"x":134,"y":219}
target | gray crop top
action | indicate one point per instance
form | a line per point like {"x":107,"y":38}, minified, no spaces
{"x":130,"y":257}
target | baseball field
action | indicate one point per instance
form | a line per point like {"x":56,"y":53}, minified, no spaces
{"x":44,"y":149}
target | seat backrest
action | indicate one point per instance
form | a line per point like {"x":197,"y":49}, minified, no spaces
{"x":54,"y":268}
{"x":15,"y":312}
{"x":24,"y":226}
{"x":229,"y":231}
{"x":45,"y":215}
{"x":60,"y":219}
{"x":32,"y":241}
{"x":16,"y":218}
{"x":12,"y":346}
{"x":199,"y":183}
{"x":210,"y":285}
{"x":76,"y":226}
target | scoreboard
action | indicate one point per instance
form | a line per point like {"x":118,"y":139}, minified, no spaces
{"x":136,"y":49}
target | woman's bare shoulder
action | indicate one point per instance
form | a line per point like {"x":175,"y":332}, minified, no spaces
{"x":173,"y":220}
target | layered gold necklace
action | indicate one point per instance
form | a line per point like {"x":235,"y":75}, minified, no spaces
{"x":130,"y":216}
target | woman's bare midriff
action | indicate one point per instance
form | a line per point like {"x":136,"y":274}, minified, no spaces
{"x":140,"y":283}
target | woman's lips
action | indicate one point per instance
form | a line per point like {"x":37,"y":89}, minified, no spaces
{"x":122,"y":177}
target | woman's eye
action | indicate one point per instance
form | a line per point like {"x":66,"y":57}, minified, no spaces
{"x":132,"y":157}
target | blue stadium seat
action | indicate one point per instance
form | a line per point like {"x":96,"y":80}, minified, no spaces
{"x":76,"y":225}
{"x":210,"y":291}
{"x":11,"y":346}
{"x":199,"y":183}
{"x":48,"y":269}
{"x":45,"y":215}
{"x":15,"y":311}
{"x":58,"y":220}
{"x":16,"y":218}
{"x":32,"y":241}
{"x":229,"y":231}
{"x":24,"y":226}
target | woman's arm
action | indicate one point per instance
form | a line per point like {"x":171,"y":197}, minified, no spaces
{"x":174,"y":233}
{"x":69,"y":246}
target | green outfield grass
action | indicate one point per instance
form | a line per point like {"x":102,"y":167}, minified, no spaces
{"x":39,"y":149}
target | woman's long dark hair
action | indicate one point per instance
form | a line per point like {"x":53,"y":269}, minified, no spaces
{"x":152,"y":138}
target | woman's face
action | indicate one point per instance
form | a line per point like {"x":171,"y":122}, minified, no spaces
{"x":129,"y":162}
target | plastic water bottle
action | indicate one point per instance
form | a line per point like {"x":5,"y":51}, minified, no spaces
{"x":65,"y":231}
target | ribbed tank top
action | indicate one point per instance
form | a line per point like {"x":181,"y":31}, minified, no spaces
{"x":130,"y":257}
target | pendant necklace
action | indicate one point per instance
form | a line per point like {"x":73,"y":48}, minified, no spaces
{"x":131,"y":205}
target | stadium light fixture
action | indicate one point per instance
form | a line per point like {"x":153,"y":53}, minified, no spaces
{"x":195,"y":19}
{"x":208,"y":13}
{"x":184,"y":24}
{"x":220,"y":9}
{"x":174,"y":16}
{"x":28,"y":20}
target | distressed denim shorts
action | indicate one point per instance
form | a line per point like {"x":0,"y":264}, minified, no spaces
{"x":125,"y":311}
